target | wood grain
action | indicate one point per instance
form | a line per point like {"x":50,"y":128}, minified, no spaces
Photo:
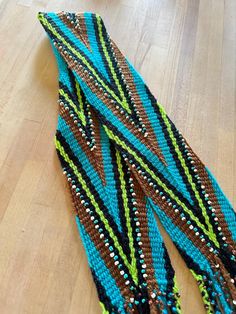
{"x":185,"y":50}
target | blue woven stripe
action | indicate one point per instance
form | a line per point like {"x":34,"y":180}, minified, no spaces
{"x":91,"y":172}
{"x":157,"y":248}
{"x":107,"y":113}
{"x":185,"y":244}
{"x":94,"y":44}
{"x":78,"y":44}
{"x":226,"y":206}
{"x":177,"y":180}
{"x":77,"y":150}
{"x":97,"y":264}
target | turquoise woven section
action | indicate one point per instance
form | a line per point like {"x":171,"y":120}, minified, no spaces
{"x":125,"y":161}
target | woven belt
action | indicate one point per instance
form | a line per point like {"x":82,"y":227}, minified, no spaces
{"x":125,"y":160}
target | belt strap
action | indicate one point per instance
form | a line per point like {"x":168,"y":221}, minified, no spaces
{"x":126,"y":161}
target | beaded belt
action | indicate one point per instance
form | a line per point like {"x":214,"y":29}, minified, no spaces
{"x":125,"y":160}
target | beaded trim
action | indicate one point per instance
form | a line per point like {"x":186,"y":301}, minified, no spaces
{"x":125,"y":160}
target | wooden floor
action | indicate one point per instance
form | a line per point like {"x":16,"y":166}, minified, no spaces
{"x":185,"y":50}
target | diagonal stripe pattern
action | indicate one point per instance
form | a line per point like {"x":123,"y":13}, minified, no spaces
{"x":125,"y":161}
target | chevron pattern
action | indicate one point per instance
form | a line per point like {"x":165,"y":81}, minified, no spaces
{"x":125,"y":161}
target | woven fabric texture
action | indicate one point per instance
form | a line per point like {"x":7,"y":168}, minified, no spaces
{"x":126,"y":161}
